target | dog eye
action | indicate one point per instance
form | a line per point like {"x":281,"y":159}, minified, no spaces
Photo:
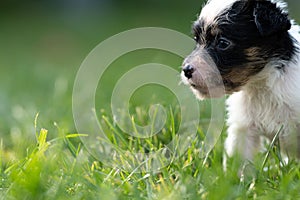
{"x":223,"y":44}
{"x":196,"y":38}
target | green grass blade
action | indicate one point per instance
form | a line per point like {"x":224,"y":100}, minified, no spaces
{"x":271,"y":146}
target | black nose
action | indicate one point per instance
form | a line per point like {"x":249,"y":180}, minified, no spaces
{"x":188,"y":71}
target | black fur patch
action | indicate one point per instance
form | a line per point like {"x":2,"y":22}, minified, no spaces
{"x":269,"y":19}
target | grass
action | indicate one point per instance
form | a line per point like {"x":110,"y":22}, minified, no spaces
{"x":61,"y":168}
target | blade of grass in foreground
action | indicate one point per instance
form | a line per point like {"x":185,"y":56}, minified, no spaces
{"x":270,"y":148}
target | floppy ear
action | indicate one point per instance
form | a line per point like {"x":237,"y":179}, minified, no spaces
{"x":269,"y":19}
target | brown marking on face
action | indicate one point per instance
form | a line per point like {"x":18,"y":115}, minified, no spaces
{"x":253,"y":54}
{"x":205,"y":33}
{"x":237,"y":77}
{"x":209,"y":78}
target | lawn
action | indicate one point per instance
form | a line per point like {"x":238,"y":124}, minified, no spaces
{"x":43,"y":154}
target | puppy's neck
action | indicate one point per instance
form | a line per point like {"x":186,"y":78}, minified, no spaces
{"x":268,"y":80}
{"x":277,"y":81}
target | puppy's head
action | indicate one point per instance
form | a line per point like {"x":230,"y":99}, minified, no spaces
{"x":235,"y":40}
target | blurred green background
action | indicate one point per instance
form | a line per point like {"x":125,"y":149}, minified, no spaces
{"x":44,"y":42}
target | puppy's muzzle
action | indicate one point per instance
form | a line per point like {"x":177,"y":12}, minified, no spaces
{"x":200,"y":72}
{"x":188,"y":71}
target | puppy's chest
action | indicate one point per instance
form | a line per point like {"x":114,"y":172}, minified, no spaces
{"x":268,"y":118}
{"x":264,"y":113}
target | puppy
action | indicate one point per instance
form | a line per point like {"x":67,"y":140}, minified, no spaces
{"x":249,"y":49}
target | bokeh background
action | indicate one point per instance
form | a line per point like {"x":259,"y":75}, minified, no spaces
{"x":42,"y":44}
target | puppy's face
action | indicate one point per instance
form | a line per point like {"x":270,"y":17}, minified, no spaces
{"x":235,"y":39}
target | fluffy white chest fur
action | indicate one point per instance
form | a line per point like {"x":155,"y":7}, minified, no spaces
{"x":268,"y":103}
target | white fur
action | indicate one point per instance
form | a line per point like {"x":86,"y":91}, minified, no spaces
{"x":271,"y":100}
{"x":213,"y":8}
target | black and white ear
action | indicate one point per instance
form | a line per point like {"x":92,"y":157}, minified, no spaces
{"x":270,"y":19}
